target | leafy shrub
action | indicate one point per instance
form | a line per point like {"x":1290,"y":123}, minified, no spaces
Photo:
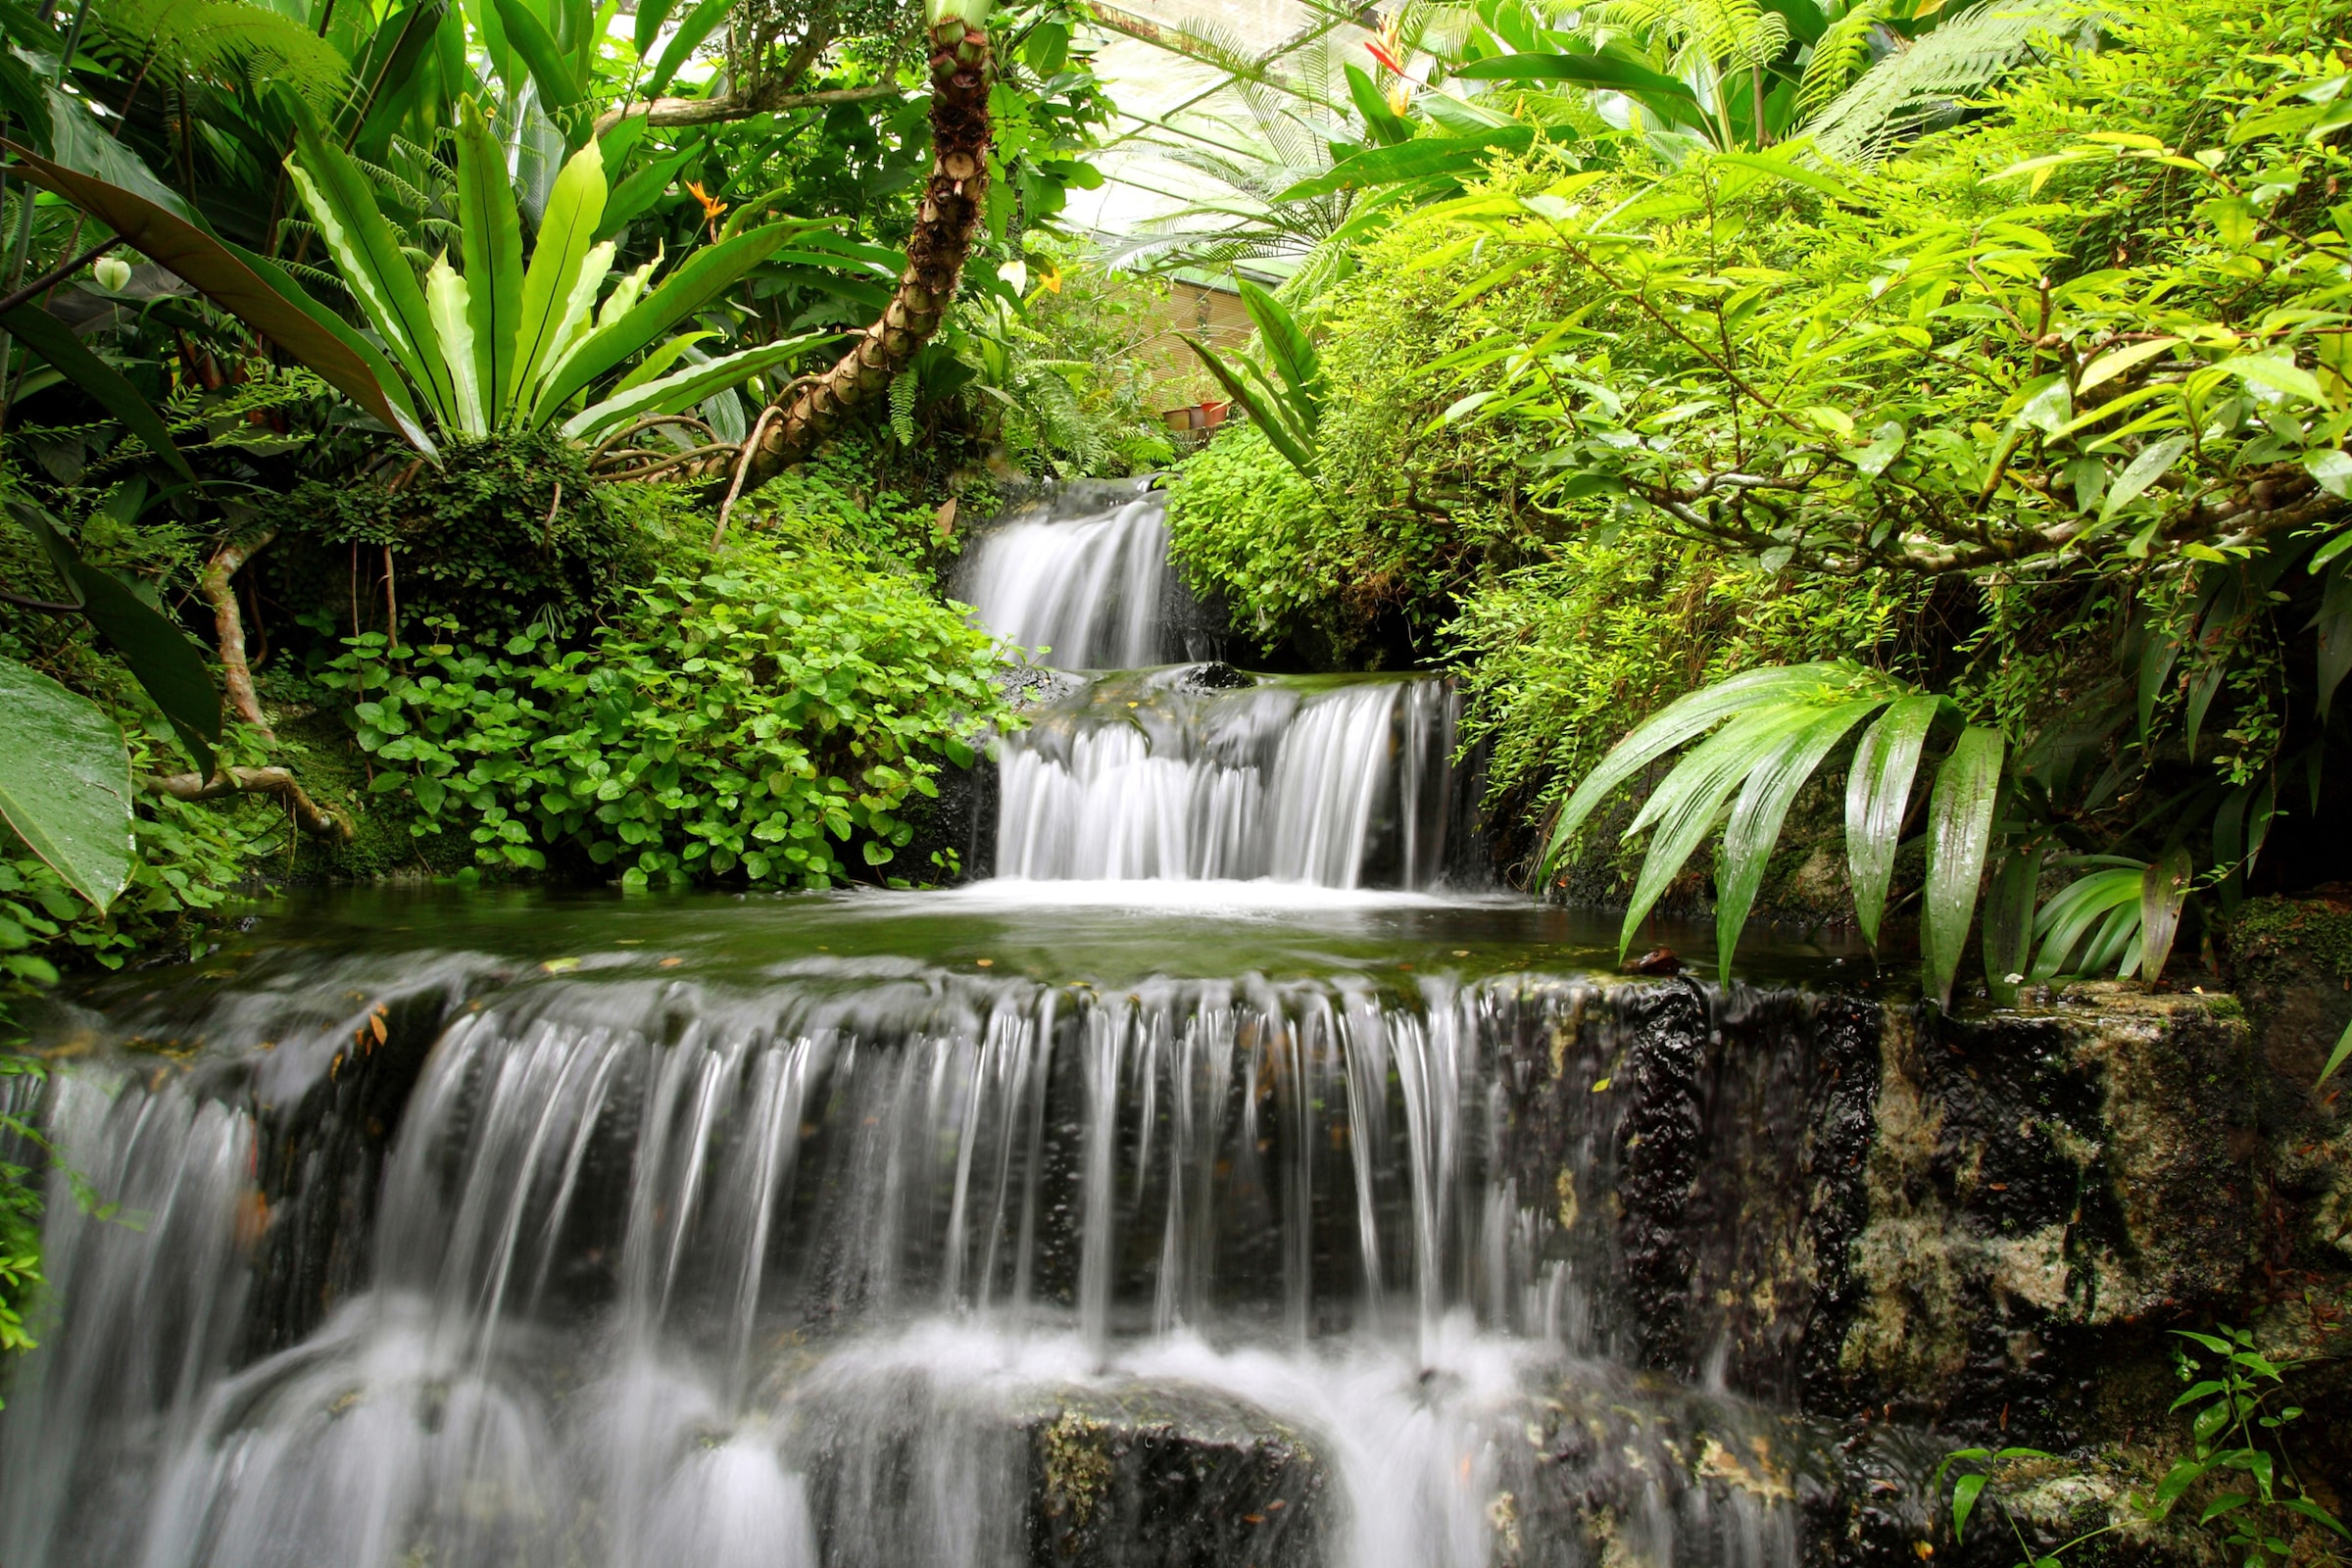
{"x":756,"y":720}
{"x":1241,"y":524}
{"x":840,"y":502}
{"x":505,"y":533}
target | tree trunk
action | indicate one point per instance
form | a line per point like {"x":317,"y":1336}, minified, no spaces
{"x":816,"y":406}
{"x":228,"y":628}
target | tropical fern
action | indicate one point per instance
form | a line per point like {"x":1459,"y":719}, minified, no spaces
{"x":1908,"y":91}
{"x":228,"y":41}
{"x":902,"y":389}
{"x":1841,"y":53}
{"x":1694,"y":35}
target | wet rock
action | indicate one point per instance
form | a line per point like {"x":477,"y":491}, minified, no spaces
{"x":1173,"y":1477}
{"x":1213,"y":676}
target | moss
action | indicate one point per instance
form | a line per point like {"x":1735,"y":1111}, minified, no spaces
{"x":1076,"y":1455}
{"x":2265,"y":935}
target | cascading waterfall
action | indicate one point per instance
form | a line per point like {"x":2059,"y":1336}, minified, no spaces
{"x":1083,"y":577}
{"x":1298,"y":1223}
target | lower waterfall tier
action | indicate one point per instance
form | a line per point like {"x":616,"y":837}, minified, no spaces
{"x":476,"y":1252}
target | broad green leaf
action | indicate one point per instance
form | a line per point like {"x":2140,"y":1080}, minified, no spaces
{"x":2333,"y":469}
{"x":1964,"y":1501}
{"x":699,"y":24}
{"x":644,"y":185}
{"x":446,"y":296}
{"x":65,"y":782}
{"x":168,"y":667}
{"x":1756,"y":817}
{"x":1878,"y":797}
{"x":574,"y":325}
{"x":566,"y":232}
{"x":55,"y":342}
{"x":2162,"y":888}
{"x":2278,"y":373}
{"x":2048,"y":409}
{"x":1587,"y":70}
{"x":1423,"y":158}
{"x":393,"y":54}
{"x":657,"y":362}
{"x":2140,"y":472}
{"x":2115,"y":362}
{"x":1959,"y":830}
{"x":651,"y":14}
{"x":1293,"y":352}
{"x":694,"y":284}
{"x":1256,"y":404}
{"x":1686,"y":805}
{"x":353,"y":365}
{"x":2008,"y":938}
{"x":370,"y":257}
{"x":558,"y":88}
{"x":2334,"y":625}
{"x":2079,"y":907}
{"x":491,"y":231}
{"x":685,"y":388}
{"x":1383,"y":120}
{"x":1795,"y":173}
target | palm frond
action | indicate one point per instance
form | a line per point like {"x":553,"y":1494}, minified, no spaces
{"x":1840,"y":53}
{"x":227,"y":41}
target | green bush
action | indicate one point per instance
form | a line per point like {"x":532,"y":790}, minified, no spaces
{"x":503,"y":535}
{"x":757,"y":721}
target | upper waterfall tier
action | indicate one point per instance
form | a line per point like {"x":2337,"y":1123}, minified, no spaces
{"x":1084,"y":575}
{"x":1198,"y":771}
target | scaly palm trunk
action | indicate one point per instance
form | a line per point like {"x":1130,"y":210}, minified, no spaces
{"x":813,"y":408}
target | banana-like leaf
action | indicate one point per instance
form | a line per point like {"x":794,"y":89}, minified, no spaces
{"x":656,"y":362}
{"x":1425,"y":158}
{"x":1756,"y":817}
{"x":169,"y":667}
{"x":1685,"y":719}
{"x":558,"y":88}
{"x":1959,"y":831}
{"x":2334,"y":625}
{"x":699,"y":24}
{"x":651,"y":14}
{"x":696,"y":281}
{"x":2082,"y":906}
{"x":491,"y":232}
{"x":1259,"y":407}
{"x":1878,"y":797}
{"x":64,"y":783}
{"x":1383,"y":122}
{"x":2163,"y":889}
{"x":1292,"y":352}
{"x":391,"y":59}
{"x":566,"y":232}
{"x":2009,"y":921}
{"x":370,"y":258}
{"x":685,"y":388}
{"x":1686,"y":805}
{"x":447,"y":297}
{"x":1666,"y":97}
{"x":44,"y":334}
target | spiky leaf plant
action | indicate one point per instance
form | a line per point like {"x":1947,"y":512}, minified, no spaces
{"x":1772,"y":730}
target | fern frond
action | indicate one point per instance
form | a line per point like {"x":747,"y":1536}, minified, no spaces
{"x":1839,"y":55}
{"x":1904,"y":92}
{"x":229,"y":40}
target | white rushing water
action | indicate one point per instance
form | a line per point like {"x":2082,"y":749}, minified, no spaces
{"x":1083,"y":577}
{"x":446,"y":1259}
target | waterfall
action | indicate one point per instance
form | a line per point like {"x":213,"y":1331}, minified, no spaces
{"x":814,"y":1270}
{"x":1211,"y":1189}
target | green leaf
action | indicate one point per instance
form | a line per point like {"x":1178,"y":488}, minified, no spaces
{"x":566,"y":235}
{"x":558,"y":88}
{"x":44,"y":334}
{"x":1425,"y":158}
{"x":491,"y":230}
{"x":685,"y":388}
{"x":1795,"y":173}
{"x":1379,"y":118}
{"x":1756,"y":817}
{"x":2334,"y":625}
{"x":169,"y":667}
{"x":1964,"y":1501}
{"x":447,"y":297}
{"x":1585,"y":71}
{"x":1686,"y":805}
{"x":651,"y":14}
{"x":2079,"y":907}
{"x":1878,"y":795}
{"x":1959,"y":829}
{"x":2336,"y":1057}
{"x":2140,"y":472}
{"x":1683,"y":720}
{"x":2008,"y":938}
{"x":1293,"y":352}
{"x":370,"y":257}
{"x":65,"y":782}
{"x":2163,"y":888}
{"x":2278,"y":373}
{"x":694,"y":284}
{"x":698,"y":26}
{"x":1259,"y":407}
{"x":644,"y":185}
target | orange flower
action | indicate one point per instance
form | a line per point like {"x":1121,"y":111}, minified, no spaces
{"x":710,"y":208}
{"x":1380,"y":51}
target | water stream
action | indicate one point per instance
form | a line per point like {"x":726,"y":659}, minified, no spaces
{"x":1219,"y":1185}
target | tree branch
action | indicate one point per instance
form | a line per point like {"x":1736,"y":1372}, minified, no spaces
{"x":716,"y":111}
{"x":228,"y":627}
{"x":275,"y":781}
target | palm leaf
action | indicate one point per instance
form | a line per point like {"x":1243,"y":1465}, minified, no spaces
{"x":1878,"y":797}
{"x":1959,"y":831}
{"x":1763,"y":805}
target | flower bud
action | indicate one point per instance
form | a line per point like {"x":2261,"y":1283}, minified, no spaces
{"x":113,"y":273}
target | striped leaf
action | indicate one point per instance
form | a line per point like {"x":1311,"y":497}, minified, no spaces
{"x":446,"y":296}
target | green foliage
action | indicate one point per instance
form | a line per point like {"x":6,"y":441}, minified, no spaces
{"x":65,"y":782}
{"x":1286,"y":405}
{"x":775,"y":717}
{"x":1245,"y":525}
{"x":505,"y":533}
{"x":2238,"y":1474}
